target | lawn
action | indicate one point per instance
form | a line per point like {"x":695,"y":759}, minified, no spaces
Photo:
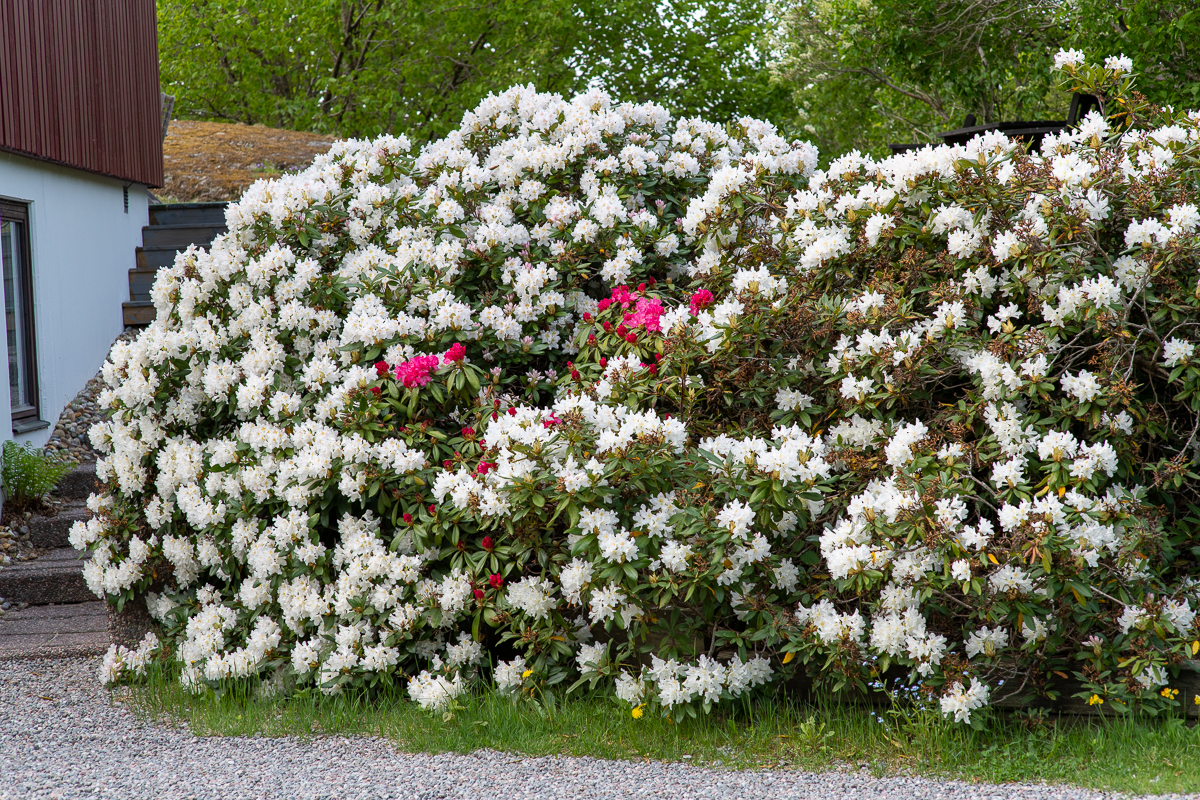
{"x":1147,"y":756}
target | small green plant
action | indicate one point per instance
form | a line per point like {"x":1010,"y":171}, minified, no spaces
{"x":28,"y":474}
{"x":814,"y":735}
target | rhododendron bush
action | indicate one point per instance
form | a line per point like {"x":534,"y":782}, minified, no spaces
{"x":584,"y":396}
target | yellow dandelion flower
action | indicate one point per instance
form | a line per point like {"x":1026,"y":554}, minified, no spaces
{"x":526,"y":674}
{"x":1095,"y":700}
{"x":1197,"y":699}
{"x":637,"y":712}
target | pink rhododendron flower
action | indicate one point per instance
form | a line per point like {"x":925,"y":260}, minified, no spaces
{"x":455,"y":354}
{"x":415,"y":373}
{"x":621,"y":295}
{"x":701,"y":299}
{"x":649,"y":309}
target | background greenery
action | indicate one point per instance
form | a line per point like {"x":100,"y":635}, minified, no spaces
{"x":843,"y":73}
{"x":867,"y":72}
{"x":365,"y":67}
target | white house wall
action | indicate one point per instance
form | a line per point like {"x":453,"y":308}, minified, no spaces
{"x":81,"y":247}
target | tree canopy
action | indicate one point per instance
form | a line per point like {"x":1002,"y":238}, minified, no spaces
{"x":846,"y":74}
{"x":356,"y":67}
{"x":868,"y":73}
{"x":1161,"y":36}
{"x":864,"y":73}
{"x":364,"y":67}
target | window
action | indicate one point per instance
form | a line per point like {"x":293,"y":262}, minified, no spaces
{"x":18,"y":315}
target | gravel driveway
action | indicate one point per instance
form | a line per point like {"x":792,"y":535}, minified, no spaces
{"x":60,"y":737}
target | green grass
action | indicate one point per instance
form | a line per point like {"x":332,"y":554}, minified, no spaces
{"x":1135,"y":756}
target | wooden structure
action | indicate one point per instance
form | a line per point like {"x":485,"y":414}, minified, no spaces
{"x":79,"y":85}
{"x":1030,"y":131}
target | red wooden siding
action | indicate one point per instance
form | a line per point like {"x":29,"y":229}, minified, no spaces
{"x":79,"y":85}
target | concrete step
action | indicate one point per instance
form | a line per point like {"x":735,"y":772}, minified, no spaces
{"x":187,"y":213}
{"x":141,"y":281}
{"x":56,"y":631}
{"x":51,"y":532}
{"x":78,"y":483}
{"x":56,"y":577}
{"x":138,"y":312}
{"x":155,"y":257}
{"x":180,"y":236}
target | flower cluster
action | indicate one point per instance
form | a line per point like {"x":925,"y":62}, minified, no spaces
{"x":121,"y":663}
{"x":664,"y":410}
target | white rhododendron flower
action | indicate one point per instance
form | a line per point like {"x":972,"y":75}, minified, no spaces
{"x":510,"y":674}
{"x":434,"y":692}
{"x":1119,"y":63}
{"x":959,"y":702}
{"x":1176,"y":351}
{"x":582,"y":385}
{"x":1068,"y":58}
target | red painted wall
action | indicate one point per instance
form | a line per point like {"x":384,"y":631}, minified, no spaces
{"x":79,"y":85}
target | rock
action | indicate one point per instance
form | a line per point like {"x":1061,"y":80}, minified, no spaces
{"x":69,"y":440}
{"x":130,"y":625}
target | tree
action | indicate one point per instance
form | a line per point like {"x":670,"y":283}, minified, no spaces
{"x":868,"y":72}
{"x":697,"y":57}
{"x":357,"y":67}
{"x":1161,"y":36}
{"x":364,"y":67}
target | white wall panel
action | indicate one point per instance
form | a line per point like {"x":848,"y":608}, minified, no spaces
{"x":82,"y":245}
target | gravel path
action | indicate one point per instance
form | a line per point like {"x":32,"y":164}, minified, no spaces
{"x":61,"y":737}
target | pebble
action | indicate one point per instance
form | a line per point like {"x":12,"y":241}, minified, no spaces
{"x":63,"y":736}
{"x":15,"y":546}
{"x":69,"y":439}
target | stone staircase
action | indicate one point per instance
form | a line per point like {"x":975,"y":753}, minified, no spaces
{"x":56,"y":576}
{"x":52,"y":613}
{"x":173,"y":226}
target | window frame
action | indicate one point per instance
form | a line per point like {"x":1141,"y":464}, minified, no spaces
{"x":25,"y":418}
